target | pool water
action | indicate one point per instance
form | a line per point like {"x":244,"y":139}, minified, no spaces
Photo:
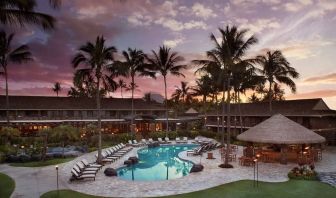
{"x":159,"y":163}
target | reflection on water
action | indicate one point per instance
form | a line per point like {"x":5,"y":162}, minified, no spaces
{"x":160,"y":163}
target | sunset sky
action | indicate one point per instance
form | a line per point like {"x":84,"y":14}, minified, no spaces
{"x":303,"y":29}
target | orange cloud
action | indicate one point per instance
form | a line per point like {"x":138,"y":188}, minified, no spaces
{"x":324,"y":78}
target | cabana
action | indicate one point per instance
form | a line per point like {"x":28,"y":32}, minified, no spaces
{"x":292,"y":139}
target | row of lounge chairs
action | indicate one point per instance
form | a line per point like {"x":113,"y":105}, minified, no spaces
{"x":166,"y":140}
{"x":203,"y":148}
{"x":85,"y":170}
{"x":112,"y":154}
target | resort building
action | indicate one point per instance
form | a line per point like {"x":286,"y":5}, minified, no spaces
{"x":31,"y":113}
{"x":313,"y":114}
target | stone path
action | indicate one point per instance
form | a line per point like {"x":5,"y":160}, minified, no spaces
{"x":328,"y":177}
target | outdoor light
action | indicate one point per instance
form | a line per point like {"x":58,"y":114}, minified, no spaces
{"x":22,"y":147}
{"x":258,"y":155}
{"x":307,"y":147}
{"x":217,"y":118}
{"x":255,"y":160}
{"x":56,"y":167}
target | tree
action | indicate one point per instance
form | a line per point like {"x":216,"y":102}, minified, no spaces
{"x":276,"y":69}
{"x":253,"y":98}
{"x":228,"y":57}
{"x":166,"y":62}
{"x":182,"y":93}
{"x":57,"y":88}
{"x":7,"y":134}
{"x":65,"y":134}
{"x":121,"y":85}
{"x":44,"y":133}
{"x":134,"y":65}
{"x":97,"y":60}
{"x":21,"y":13}
{"x":8,"y":55}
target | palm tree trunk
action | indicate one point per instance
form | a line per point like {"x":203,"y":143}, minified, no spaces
{"x":228,"y":133}
{"x":45,"y":144}
{"x":7,"y":96}
{"x":270,"y":97}
{"x":223,"y":113}
{"x":99,"y":159}
{"x":166,"y":100}
{"x":121,"y":92}
{"x":240,"y":114}
{"x":132,"y":120}
{"x":63,"y":149}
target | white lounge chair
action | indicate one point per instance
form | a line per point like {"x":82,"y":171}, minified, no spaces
{"x":144,"y":141}
{"x":178,"y":140}
{"x":185,"y":140}
{"x":87,"y":164}
{"x":150,"y":140}
{"x":167,"y":140}
{"x":82,"y":167}
{"x":161,"y":141}
{"x":78,"y":176}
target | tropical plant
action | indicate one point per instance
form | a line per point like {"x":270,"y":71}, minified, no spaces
{"x":182,"y":93}
{"x":22,"y":12}
{"x":7,"y":134}
{"x":121,"y":85}
{"x":164,"y":62}
{"x":57,"y":88}
{"x":97,"y":60}
{"x":134,"y":65}
{"x":65,"y":134}
{"x":44,"y":133}
{"x":276,"y":69}
{"x":228,"y":58}
{"x":10,"y":55}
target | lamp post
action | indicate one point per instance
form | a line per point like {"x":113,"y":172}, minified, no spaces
{"x":57,"y":180}
{"x":257,"y":159}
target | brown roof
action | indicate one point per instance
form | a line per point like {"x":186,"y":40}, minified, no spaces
{"x":47,"y":102}
{"x":304,"y":107}
{"x":280,"y":130}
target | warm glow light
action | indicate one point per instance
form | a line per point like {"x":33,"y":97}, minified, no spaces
{"x":307,"y":147}
{"x":56,"y":167}
{"x":258,"y":155}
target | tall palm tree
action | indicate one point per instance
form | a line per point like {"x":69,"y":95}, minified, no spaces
{"x":57,"y":88}
{"x":21,"y":13}
{"x":166,"y":62}
{"x":97,"y":60}
{"x":228,"y":56}
{"x":9,"y":55}
{"x":276,"y":69}
{"x":203,"y":88}
{"x":121,"y":85}
{"x":135,"y":66}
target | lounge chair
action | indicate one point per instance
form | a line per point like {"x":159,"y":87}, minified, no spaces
{"x":178,"y":140}
{"x":78,"y":176}
{"x":87,"y":164}
{"x":197,"y":151}
{"x":81,"y":167}
{"x":133,"y":144}
{"x":83,"y":172}
{"x":150,"y":140}
{"x":117,"y":152}
{"x":120,"y":148}
{"x":112,"y":154}
{"x":161,"y":141}
{"x":185,"y":140}
{"x":167,"y":140}
{"x":144,"y":141}
{"x":136,"y":142}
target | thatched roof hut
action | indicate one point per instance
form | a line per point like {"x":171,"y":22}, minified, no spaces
{"x":280,"y":130}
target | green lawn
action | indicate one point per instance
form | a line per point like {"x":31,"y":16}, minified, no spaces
{"x":242,"y":189}
{"x":7,"y":186}
{"x":42,"y":163}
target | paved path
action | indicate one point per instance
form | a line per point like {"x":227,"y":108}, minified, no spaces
{"x":328,"y":177}
{"x":32,"y":182}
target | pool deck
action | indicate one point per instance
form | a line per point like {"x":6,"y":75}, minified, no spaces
{"x":32,"y":182}
{"x":212,"y":174}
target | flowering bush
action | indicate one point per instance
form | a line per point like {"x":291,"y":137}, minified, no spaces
{"x":305,"y":172}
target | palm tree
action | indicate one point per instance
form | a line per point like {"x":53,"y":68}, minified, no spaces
{"x":64,"y":134}
{"x":147,"y":97}
{"x":121,"y":86}
{"x":228,"y":56}
{"x":9,"y":55}
{"x":134,"y":66}
{"x":44,"y":133}
{"x":276,"y":69}
{"x":182,"y":93}
{"x":97,"y":61}
{"x":21,"y":13}
{"x":164,"y":62}
{"x":57,"y":88}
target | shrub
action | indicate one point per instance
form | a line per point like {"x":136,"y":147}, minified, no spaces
{"x":305,"y":172}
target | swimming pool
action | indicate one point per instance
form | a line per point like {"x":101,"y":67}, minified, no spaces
{"x":159,"y":163}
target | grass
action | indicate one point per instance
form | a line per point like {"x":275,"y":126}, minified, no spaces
{"x":42,"y":163}
{"x":242,"y":189}
{"x":7,"y":186}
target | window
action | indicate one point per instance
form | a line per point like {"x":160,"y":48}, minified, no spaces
{"x":89,"y":113}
